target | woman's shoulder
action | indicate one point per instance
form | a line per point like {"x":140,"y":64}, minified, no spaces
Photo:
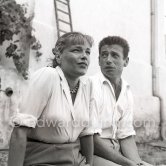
{"x":85,"y":80}
{"x":44,"y":74}
{"x":91,"y":80}
{"x":45,"y":71}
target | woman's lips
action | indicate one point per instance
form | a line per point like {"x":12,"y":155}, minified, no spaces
{"x":84,"y":64}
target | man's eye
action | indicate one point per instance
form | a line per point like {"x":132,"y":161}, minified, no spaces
{"x":104,"y":54}
{"x":115,"y":55}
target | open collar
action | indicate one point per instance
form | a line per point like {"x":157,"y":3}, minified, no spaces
{"x":66,"y":89}
{"x":104,"y":80}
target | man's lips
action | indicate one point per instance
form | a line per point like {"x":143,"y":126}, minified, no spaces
{"x":109,"y":67}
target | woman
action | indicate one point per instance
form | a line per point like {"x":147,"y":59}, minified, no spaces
{"x":55,"y":113}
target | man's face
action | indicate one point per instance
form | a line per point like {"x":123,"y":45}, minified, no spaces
{"x":111,"y":61}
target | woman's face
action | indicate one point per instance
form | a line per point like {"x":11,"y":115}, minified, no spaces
{"x":75,"y":59}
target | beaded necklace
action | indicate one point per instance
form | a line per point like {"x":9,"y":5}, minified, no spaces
{"x":74,"y":90}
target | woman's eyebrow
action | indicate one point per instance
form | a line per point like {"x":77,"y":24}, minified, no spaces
{"x":76,"y":46}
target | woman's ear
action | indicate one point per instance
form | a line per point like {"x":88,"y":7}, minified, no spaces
{"x":54,"y":51}
{"x":57,"y":56}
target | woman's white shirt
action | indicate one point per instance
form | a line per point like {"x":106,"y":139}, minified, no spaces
{"x":48,"y":109}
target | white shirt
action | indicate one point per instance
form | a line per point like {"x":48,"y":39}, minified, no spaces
{"x":48,"y":109}
{"x":113,"y":118}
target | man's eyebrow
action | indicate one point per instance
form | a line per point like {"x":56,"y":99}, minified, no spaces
{"x":116,"y":52}
{"x":104,"y":51}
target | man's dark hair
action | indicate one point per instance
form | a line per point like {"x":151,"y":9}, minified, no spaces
{"x":110,"y":40}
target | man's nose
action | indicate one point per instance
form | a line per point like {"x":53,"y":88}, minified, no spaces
{"x":109,"y":59}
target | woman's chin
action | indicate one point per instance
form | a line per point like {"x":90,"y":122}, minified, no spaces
{"x":82,"y":72}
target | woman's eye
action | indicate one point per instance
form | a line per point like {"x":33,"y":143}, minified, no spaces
{"x":75,"y":50}
{"x":88,"y":52}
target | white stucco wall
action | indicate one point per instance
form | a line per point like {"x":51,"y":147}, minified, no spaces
{"x":127,"y":18}
{"x":44,"y":23}
{"x":10,"y":78}
{"x":160,"y":62}
{"x":130,"y":19}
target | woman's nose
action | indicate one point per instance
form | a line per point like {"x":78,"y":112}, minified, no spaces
{"x":84,"y":55}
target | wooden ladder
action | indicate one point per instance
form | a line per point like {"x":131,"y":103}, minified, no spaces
{"x":63,"y":17}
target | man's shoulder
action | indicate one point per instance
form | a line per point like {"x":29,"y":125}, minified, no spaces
{"x":125,"y":81}
{"x":126,"y":86}
{"x":96,"y":78}
{"x":89,"y":81}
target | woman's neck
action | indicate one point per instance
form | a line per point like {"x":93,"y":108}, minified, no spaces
{"x":72,"y":81}
{"x":73,"y":85}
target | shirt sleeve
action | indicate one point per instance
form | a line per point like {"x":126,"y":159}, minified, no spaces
{"x":94,"y":126}
{"x":35,"y":99}
{"x":88,"y":130}
{"x":125,"y":124}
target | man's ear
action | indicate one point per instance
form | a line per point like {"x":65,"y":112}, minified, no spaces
{"x":126,"y":61}
{"x":99,"y":60}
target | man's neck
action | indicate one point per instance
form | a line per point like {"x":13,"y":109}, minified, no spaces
{"x":115,"y":82}
{"x":117,"y":85}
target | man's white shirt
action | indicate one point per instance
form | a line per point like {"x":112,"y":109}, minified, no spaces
{"x":113,"y":119}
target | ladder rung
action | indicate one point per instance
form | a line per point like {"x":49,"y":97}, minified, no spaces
{"x":60,"y":5}
{"x":4,"y":150}
{"x":62,"y":11}
{"x":64,"y":21}
{"x":62,"y":2}
{"x":60,"y":30}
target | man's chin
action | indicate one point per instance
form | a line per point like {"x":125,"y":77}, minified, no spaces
{"x":110,"y":75}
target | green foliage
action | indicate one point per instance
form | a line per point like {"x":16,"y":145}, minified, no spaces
{"x":14,"y":23}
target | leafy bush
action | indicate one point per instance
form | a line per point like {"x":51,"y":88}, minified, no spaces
{"x":14,"y":23}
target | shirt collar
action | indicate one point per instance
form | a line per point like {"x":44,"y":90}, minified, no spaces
{"x":61,"y":74}
{"x":103,"y":80}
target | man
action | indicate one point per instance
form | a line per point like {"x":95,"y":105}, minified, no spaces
{"x":113,"y":102}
